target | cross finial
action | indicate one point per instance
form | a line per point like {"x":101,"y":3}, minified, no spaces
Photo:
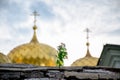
{"x":87,"y":44}
{"x":35,"y":14}
{"x":87,"y":30}
{"x":34,"y":39}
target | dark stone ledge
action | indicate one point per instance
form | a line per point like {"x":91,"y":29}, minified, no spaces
{"x":30,"y":72}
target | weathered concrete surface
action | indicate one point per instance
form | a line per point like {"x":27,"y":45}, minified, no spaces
{"x":30,"y":72}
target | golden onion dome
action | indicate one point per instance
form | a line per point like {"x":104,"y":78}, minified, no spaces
{"x":35,"y":53}
{"x":88,"y":60}
{"x":4,"y":58}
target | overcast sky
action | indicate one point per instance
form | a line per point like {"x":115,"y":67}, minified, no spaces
{"x":61,"y":21}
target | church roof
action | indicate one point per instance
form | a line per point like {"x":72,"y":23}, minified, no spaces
{"x":110,"y":56}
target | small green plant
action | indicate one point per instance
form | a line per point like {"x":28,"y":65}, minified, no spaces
{"x":62,"y":54}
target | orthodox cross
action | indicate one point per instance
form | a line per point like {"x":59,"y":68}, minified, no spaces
{"x":35,"y":14}
{"x":87,"y":31}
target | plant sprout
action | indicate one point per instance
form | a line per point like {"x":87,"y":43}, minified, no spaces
{"x":62,"y":54}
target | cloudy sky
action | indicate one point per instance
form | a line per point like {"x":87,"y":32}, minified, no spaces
{"x":61,"y":21}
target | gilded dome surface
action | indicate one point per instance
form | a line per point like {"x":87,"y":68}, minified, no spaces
{"x":37,"y":54}
{"x":88,"y":60}
{"x":34,"y":53}
{"x":4,"y":58}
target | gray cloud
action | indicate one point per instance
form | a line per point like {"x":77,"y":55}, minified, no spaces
{"x":4,"y":4}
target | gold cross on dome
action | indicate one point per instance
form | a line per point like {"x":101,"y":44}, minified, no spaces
{"x":35,"y":14}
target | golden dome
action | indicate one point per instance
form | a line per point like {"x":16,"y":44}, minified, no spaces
{"x":34,"y":53}
{"x":4,"y":58}
{"x":88,"y":60}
